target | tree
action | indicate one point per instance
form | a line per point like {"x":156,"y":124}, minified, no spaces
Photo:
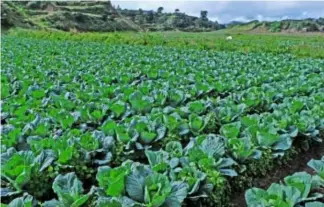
{"x":203,"y":15}
{"x":140,"y":11}
{"x":132,"y":16}
{"x":140,"y":19}
{"x":160,"y":9}
{"x":150,"y":17}
{"x":104,"y":17}
{"x":176,"y":11}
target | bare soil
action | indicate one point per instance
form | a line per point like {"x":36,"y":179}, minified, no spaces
{"x":298,"y":164}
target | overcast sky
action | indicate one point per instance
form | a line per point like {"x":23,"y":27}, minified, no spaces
{"x":226,"y":11}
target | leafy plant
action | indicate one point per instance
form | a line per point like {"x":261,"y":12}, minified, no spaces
{"x":69,"y":190}
{"x":318,"y":166}
{"x":112,"y":180}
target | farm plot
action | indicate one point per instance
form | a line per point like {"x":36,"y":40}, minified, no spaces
{"x":87,"y":124}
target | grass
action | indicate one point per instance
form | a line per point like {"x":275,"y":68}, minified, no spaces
{"x":311,"y":45}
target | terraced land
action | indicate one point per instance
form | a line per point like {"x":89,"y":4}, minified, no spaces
{"x":92,"y":124}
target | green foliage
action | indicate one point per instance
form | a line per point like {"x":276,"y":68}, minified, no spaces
{"x":112,"y":180}
{"x":318,"y":166}
{"x":245,"y":43}
{"x":122,"y":125}
{"x":299,"y":188}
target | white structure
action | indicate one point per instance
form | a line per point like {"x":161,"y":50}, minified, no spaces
{"x":229,"y":38}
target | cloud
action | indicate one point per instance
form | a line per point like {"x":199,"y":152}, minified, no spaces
{"x":226,"y":11}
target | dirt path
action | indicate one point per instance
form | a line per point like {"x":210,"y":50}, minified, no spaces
{"x":298,"y":164}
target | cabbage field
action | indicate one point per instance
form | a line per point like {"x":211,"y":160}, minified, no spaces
{"x":104,"y":125}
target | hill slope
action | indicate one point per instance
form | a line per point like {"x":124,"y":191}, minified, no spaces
{"x":98,"y":16}
{"x":289,"y":25}
{"x":102,"y":16}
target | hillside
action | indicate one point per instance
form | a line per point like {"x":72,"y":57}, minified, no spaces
{"x":289,"y":25}
{"x":102,"y":16}
{"x":98,"y":16}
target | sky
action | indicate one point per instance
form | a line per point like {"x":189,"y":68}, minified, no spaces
{"x":226,"y":11}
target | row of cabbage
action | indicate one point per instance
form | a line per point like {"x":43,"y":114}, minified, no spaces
{"x":124,"y":118}
{"x":299,"y":189}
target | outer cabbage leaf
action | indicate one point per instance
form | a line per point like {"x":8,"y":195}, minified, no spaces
{"x":69,"y":190}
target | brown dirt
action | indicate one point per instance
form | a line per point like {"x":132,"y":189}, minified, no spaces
{"x":298,"y":164}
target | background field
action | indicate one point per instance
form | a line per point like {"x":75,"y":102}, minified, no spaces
{"x":302,"y":45}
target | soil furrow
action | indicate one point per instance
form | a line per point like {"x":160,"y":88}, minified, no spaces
{"x":298,"y":164}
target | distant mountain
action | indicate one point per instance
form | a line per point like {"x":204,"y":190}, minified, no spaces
{"x":233,"y":23}
{"x":289,"y":25}
{"x":98,"y":16}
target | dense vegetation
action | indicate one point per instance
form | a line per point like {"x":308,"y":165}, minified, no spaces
{"x":299,"y":45}
{"x":98,"y":16}
{"x":89,"y":124}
